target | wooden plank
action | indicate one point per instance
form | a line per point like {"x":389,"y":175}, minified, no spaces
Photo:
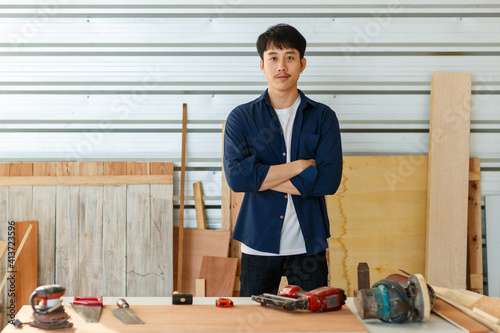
{"x":44,"y":210}
{"x":21,"y":169}
{"x":448,"y":179}
{"x":67,"y":212}
{"x":20,"y":203}
{"x":114,"y":239}
{"x":492,"y":208}
{"x":56,"y":169}
{"x":378,"y":216}
{"x":198,"y":205}
{"x":236,"y":200}
{"x":4,"y":169}
{"x":162,"y":168}
{"x":138,"y":168}
{"x":25,"y":268}
{"x":91,"y":168}
{"x":200,"y":288}
{"x":115,"y":168}
{"x":90,"y":246}
{"x":161,"y":247}
{"x":458,"y":318}
{"x":84,"y":180}
{"x":138,"y":241}
{"x":225,"y":194}
{"x":219,"y":274}
{"x":475,"y":252}
{"x":208,"y":318}
{"x":199,"y":243}
{"x":180,"y":238}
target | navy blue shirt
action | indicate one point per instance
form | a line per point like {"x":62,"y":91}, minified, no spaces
{"x":253,"y":141}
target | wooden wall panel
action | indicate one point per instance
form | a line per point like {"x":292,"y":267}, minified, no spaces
{"x":114,"y":240}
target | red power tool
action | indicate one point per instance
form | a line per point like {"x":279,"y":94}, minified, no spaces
{"x":49,"y":314}
{"x":293,"y":297}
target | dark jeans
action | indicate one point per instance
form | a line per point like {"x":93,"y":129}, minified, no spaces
{"x":262,"y":274}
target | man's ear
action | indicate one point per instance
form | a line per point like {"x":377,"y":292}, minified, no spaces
{"x":262,"y":66}
{"x":303,"y":62}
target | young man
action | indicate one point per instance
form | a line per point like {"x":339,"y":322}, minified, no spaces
{"x":284,"y":151}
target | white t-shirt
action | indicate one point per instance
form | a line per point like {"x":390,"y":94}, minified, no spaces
{"x":292,"y":240}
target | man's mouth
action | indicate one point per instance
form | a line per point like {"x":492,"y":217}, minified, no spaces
{"x":282,"y":76}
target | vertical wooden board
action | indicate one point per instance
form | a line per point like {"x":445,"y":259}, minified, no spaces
{"x":378,"y":216}
{"x":448,"y":180}
{"x":138,"y":241}
{"x":235,"y":246}
{"x":25,"y":268}
{"x":137,"y":168}
{"x":115,"y":168}
{"x":20,"y":203}
{"x":492,"y":208}
{"x":162,"y":168}
{"x":219,"y":274}
{"x":91,"y":169}
{"x":56,"y":169}
{"x":90,"y":240}
{"x":162,"y":239}
{"x":42,"y":169}
{"x":20,"y":169}
{"x":4,"y":169}
{"x":114,"y":241}
{"x":475,"y":252}
{"x":67,"y":212}
{"x":44,"y":210}
{"x":199,"y":205}
{"x":4,"y":207}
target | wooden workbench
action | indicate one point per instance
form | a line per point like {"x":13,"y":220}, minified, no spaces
{"x":246,"y":316}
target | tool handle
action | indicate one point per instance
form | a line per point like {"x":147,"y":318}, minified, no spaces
{"x":97,"y":301}
{"x":122,"y":303}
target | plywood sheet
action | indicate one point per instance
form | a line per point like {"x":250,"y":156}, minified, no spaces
{"x":448,"y":180}
{"x":199,"y":243}
{"x":378,"y":216}
{"x":219,"y":274}
{"x":208,"y":318}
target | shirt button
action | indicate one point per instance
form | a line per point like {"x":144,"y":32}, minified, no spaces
{"x":284,"y":154}
{"x":286,"y":196}
{"x":281,"y":133}
{"x":281,"y":217}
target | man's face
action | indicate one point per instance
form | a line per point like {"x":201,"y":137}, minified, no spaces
{"x":282,"y":68}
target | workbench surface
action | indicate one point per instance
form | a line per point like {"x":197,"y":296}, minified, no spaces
{"x":246,"y":316}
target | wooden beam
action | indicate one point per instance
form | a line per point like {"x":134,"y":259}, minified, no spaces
{"x":475,"y":253}
{"x":225,"y":211}
{"x":181,"y":217}
{"x":84,"y":180}
{"x":199,"y":206}
{"x":448,"y":179}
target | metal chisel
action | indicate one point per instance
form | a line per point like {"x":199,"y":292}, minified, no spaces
{"x":126,"y":315}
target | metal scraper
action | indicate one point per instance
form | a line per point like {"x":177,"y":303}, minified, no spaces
{"x":125,"y":314}
{"x":89,"y":308}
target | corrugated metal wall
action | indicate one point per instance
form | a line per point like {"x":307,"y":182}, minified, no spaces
{"x":105,"y":80}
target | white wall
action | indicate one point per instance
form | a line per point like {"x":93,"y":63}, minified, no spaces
{"x":105,"y":80}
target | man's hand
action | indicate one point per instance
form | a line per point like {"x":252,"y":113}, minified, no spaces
{"x":281,"y":173}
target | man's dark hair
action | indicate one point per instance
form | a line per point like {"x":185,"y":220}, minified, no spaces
{"x":281,"y":36}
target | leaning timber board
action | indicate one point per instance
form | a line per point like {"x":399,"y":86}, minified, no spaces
{"x":208,"y":318}
{"x":448,"y":180}
{"x":102,"y":235}
{"x":378,"y":216}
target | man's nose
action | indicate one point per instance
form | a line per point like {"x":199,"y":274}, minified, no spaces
{"x":282,"y":65}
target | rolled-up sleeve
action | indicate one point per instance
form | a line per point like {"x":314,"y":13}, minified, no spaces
{"x":326,"y":176}
{"x":243,"y":171}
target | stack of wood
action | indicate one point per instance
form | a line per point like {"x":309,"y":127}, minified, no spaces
{"x":468,"y":310}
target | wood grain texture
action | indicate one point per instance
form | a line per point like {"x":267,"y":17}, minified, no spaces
{"x":139,"y":279}
{"x":448,"y":180}
{"x":378,"y":216}
{"x":26,"y":264}
{"x":90,"y":245}
{"x":4,"y":169}
{"x":84,"y":180}
{"x":91,"y":168}
{"x":21,"y":169}
{"x":162,"y":168}
{"x":115,"y":168}
{"x":475,"y":233}
{"x":199,"y":243}
{"x":138,"y":168}
{"x":458,"y":318}
{"x":56,"y":169}
{"x":219,"y":274}
{"x":199,"y":205}
{"x":114,"y":239}
{"x":20,"y":203}
{"x":208,"y":318}
{"x":180,"y":238}
{"x":44,"y":210}
{"x":161,"y":247}
{"x":67,"y":245}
